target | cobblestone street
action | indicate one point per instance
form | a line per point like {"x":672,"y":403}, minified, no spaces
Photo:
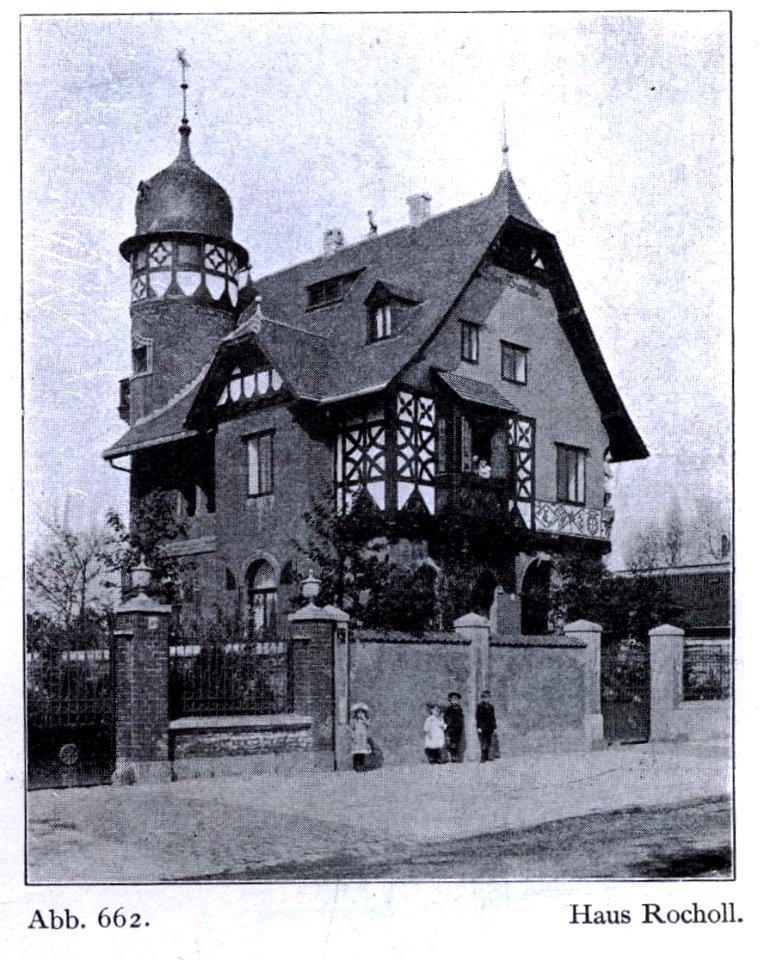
{"x":148,"y":833}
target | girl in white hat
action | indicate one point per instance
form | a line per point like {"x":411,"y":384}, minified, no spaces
{"x":360,"y":726}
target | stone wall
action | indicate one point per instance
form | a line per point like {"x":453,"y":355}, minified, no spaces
{"x":538,"y":691}
{"x":703,"y":720}
{"x":397,"y":675}
{"x":226,"y":746}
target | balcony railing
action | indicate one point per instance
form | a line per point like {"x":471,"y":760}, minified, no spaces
{"x":572,"y":521}
{"x":466,"y":495}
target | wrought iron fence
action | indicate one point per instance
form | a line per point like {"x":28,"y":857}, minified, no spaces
{"x":625,"y":675}
{"x":69,"y":688}
{"x":706,"y":671}
{"x":217,"y":679}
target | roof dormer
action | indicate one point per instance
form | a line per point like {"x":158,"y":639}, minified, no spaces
{"x":387,"y":305}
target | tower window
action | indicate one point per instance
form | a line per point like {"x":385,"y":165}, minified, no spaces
{"x":381,"y":322}
{"x":514,"y":363}
{"x":142,"y":357}
{"x":470,"y":341}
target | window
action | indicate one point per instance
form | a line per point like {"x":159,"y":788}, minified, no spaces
{"x":470,"y":341}
{"x":324,"y":292}
{"x":381,"y":322}
{"x":142,"y":357}
{"x":571,"y":474}
{"x":261,"y":600}
{"x":514,"y":363}
{"x":260,"y":460}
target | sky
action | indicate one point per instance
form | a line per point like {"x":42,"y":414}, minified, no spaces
{"x":618,"y":132}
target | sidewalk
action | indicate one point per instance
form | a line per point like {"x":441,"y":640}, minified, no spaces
{"x":190,"y":828}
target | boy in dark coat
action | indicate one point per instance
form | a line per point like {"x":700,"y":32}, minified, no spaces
{"x":485,"y":718}
{"x":453,"y":717}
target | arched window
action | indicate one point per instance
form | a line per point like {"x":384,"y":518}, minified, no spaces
{"x":536,"y":599}
{"x":261,"y":599}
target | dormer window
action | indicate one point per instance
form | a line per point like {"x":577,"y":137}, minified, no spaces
{"x":381,"y":326}
{"x":388,"y":305}
{"x":333,"y":290}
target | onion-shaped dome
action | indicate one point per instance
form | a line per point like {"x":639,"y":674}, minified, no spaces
{"x":182,"y":199}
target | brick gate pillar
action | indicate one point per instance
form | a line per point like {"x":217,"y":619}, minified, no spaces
{"x":140,"y":680}
{"x":320,"y":672}
{"x":666,"y":649}
{"x":474,"y":630}
{"x":590,"y":634}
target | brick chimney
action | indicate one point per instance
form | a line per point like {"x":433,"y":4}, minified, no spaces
{"x":333,"y":241}
{"x":419,"y":208}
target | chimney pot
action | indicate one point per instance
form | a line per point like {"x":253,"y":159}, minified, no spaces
{"x":333,"y":241}
{"x":419,"y":208}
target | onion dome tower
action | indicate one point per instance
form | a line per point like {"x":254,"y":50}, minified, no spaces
{"x":184,"y":271}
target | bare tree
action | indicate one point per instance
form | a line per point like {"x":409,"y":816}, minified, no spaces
{"x":67,"y":576}
{"x":712,"y":529}
{"x":674,"y":540}
{"x":661,"y":544}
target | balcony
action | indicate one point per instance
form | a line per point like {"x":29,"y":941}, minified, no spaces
{"x":467,"y":495}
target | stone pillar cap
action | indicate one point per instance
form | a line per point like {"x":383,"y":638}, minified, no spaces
{"x":472,"y":620}
{"x":583,"y":626}
{"x":143,"y":604}
{"x":336,"y":613}
{"x":666,"y":630}
{"x":311,"y":613}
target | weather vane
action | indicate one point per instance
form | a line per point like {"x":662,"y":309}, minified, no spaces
{"x":184,"y":64}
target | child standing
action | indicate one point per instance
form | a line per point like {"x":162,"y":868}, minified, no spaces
{"x":434,"y":734}
{"x":360,"y":741}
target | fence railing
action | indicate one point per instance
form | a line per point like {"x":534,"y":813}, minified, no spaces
{"x":706,"y":671}
{"x":69,"y":688}
{"x":237,"y":678}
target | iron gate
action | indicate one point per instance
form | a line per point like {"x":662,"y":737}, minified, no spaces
{"x":70,"y":717}
{"x":625,"y":666}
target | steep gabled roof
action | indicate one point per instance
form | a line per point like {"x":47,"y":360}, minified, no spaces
{"x":323,"y":352}
{"x":433,"y":261}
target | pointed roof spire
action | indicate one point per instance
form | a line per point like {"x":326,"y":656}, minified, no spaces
{"x":184,"y":129}
{"x":506,"y":186}
{"x":504,"y":145}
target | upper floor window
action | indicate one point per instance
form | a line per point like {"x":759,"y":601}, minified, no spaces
{"x":381,"y":326}
{"x":571,"y":474}
{"x":514,"y":363}
{"x":332,"y":290}
{"x":260,"y":464}
{"x":470,"y":341}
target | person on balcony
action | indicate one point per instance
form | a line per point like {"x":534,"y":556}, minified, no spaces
{"x":484,"y":470}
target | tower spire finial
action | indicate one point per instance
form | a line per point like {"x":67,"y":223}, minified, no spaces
{"x":184,"y":129}
{"x":504,"y":144}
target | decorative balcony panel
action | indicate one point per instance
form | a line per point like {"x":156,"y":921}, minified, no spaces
{"x":361,"y":463}
{"x":572,"y":521}
{"x":415,"y":448}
